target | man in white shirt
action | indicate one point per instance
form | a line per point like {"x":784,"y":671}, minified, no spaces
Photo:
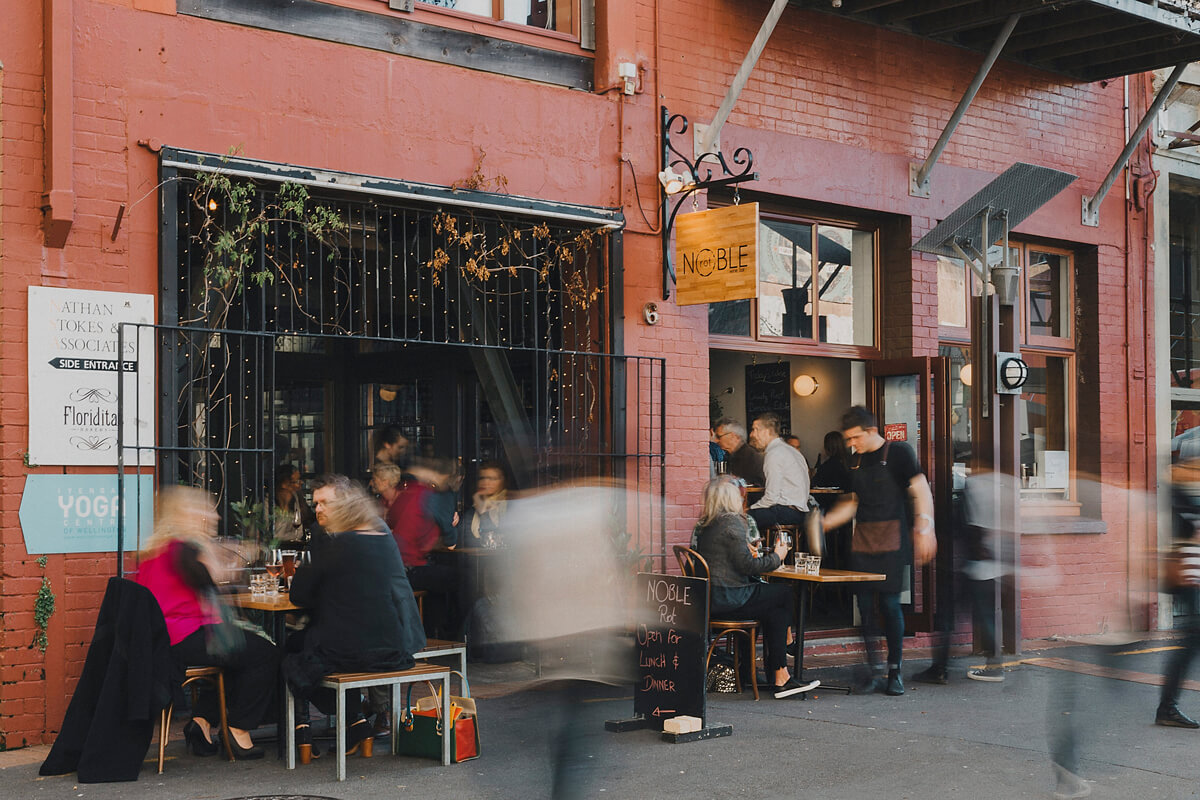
{"x":785,"y":498}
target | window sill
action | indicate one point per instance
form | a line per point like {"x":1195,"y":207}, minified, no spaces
{"x":480,"y":44}
{"x":1037,"y":525}
{"x":476,"y":23}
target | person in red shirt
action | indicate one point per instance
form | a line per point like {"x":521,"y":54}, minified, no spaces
{"x":422,"y":516}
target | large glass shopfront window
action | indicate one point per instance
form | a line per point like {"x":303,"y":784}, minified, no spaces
{"x":827,"y":299}
{"x":1044,"y":421}
{"x":1047,"y":403}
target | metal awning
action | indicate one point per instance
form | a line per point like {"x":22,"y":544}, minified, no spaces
{"x":1086,"y":40}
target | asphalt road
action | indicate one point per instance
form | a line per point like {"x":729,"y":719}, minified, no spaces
{"x":964,"y":740}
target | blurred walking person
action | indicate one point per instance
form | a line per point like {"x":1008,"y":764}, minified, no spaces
{"x":1183,"y":579}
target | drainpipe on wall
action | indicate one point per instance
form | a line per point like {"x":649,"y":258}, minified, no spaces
{"x":58,"y":202}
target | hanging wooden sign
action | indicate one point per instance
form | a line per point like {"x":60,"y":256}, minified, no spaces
{"x":716,"y":255}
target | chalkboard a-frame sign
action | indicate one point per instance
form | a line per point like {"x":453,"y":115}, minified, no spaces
{"x":672,"y":623}
{"x":672,"y":634}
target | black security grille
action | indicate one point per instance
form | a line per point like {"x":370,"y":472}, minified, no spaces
{"x":394,"y":305}
{"x":402,"y":273}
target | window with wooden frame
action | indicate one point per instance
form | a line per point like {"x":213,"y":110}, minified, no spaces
{"x":1047,"y":411}
{"x":561,"y":16}
{"x":825,"y":303}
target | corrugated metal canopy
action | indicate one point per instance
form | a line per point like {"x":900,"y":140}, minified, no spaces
{"x":1086,"y":40}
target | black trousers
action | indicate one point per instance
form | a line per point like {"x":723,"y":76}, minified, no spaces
{"x":771,"y":605}
{"x":892,"y":614}
{"x":251,"y":677}
{"x":776,"y":515}
{"x":979,"y":594}
{"x":1180,"y":660}
{"x":441,"y":612}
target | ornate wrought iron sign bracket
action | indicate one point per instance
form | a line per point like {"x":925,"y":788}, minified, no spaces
{"x":682,"y":177}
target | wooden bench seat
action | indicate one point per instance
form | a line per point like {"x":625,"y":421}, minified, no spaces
{"x":441,"y":648}
{"x":342,"y":681}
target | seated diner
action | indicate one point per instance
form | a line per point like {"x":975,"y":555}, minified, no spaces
{"x":734,"y":567}
{"x":178,"y":568}
{"x":365,"y":617}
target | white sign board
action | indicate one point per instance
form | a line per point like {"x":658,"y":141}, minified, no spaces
{"x":73,"y":371}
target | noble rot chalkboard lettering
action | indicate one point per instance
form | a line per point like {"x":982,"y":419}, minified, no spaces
{"x":671,"y":626}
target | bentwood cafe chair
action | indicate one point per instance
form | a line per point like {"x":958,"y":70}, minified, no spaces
{"x":736,"y":633}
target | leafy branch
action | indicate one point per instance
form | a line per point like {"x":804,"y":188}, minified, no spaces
{"x":43,"y":609}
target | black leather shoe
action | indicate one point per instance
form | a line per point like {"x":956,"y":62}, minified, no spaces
{"x":196,"y":743}
{"x":895,"y":685}
{"x":1172,"y":717}
{"x":935,"y":675}
{"x":868,"y":682}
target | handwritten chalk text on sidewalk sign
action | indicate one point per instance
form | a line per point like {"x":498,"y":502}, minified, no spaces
{"x":671,"y":625}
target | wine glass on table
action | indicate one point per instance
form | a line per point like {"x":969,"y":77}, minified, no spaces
{"x":274,"y":567}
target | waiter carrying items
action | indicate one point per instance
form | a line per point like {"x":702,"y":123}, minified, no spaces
{"x":884,"y":477}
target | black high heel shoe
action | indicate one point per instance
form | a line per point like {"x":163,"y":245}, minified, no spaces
{"x":195,"y":741}
{"x":244,"y":753}
{"x":360,"y":736}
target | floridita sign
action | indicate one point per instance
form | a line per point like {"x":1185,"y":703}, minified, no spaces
{"x":716,"y":255}
{"x":74,"y":366}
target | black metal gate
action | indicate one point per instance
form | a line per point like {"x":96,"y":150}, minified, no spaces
{"x":559,"y":415}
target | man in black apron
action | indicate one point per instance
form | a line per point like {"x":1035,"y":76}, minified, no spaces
{"x":884,"y":478}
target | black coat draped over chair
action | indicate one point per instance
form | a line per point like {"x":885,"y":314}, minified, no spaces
{"x":126,"y":682}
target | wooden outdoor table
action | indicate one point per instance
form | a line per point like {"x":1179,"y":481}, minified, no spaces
{"x":799,"y":578}
{"x":276,"y":608}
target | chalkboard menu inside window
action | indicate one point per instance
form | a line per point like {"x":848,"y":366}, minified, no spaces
{"x":768,"y":388}
{"x":672,"y":624}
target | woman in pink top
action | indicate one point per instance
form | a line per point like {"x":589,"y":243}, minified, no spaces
{"x":177,"y":567}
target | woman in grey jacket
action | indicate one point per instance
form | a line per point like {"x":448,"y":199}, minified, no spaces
{"x":734,"y":567}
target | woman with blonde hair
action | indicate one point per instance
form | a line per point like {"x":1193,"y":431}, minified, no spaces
{"x":365,"y":618}
{"x":177,"y":567}
{"x":733,"y":570}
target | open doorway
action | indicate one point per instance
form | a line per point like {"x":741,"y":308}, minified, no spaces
{"x":810,"y":394}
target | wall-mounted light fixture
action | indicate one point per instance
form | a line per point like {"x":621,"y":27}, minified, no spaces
{"x":1005,"y":281}
{"x":672,"y":182}
{"x":965,"y":374}
{"x":1012,"y":372}
{"x":805,"y":385}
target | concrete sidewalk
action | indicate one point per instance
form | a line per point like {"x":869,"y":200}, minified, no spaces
{"x":967,"y":739}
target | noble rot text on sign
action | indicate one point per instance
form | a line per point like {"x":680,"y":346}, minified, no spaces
{"x":716,"y":255}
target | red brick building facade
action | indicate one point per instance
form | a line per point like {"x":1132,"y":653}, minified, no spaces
{"x":835,"y":111}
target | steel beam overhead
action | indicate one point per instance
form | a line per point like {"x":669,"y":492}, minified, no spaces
{"x":713,"y":132}
{"x":919,"y":180}
{"x":1091,"y":205}
{"x":1102,"y":38}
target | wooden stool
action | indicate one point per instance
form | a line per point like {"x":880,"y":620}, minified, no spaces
{"x":193,"y":675}
{"x":420,"y":597}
